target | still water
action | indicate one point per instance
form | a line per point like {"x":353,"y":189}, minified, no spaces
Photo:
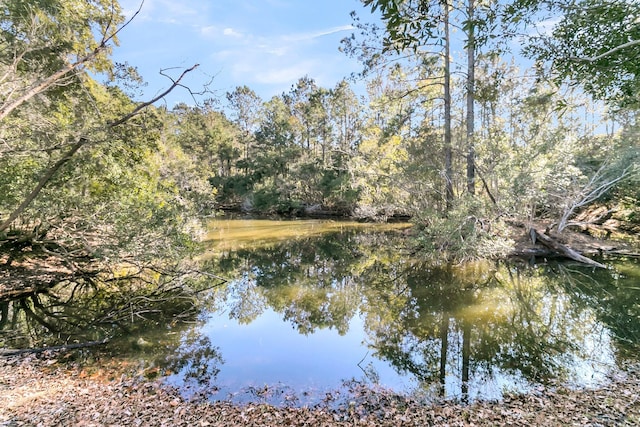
{"x":316,"y":306}
{"x":312,"y":310}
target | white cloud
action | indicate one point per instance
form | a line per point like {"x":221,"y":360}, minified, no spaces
{"x":272,"y":42}
{"x":316,"y":34}
{"x":277,"y":51}
{"x":215,"y":33}
{"x":230,"y":32}
{"x":276,"y":61}
{"x":278,"y":75}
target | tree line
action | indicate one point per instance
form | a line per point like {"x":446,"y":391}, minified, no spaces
{"x":104,"y":187}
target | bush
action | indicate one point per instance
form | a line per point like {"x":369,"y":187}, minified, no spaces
{"x":465,"y":234}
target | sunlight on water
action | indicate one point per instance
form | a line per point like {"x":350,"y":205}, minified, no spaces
{"x":317,"y":303}
{"x":313,"y":307}
{"x":233,"y":234}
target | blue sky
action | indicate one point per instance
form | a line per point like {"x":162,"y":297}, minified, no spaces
{"x":264,"y":44}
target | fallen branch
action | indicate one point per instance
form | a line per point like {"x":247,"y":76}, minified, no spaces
{"x":558,"y":247}
{"x":598,"y":185}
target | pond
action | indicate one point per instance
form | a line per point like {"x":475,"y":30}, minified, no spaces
{"x":314,"y":309}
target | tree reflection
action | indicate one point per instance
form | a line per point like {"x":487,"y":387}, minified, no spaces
{"x":451,"y":328}
{"x":310,"y":281}
{"x":69,"y":314}
{"x":197,"y":360}
{"x":144,"y":327}
{"x":613,"y":296}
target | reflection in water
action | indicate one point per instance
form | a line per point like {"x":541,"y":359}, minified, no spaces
{"x":72,"y":313}
{"x":467,"y":331}
{"x":312,"y":306}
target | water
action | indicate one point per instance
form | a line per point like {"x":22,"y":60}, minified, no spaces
{"x":314,"y":304}
{"x":312,"y":310}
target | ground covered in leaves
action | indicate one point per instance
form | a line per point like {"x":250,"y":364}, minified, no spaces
{"x":41,"y":391}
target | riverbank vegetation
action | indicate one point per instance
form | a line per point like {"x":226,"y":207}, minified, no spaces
{"x":103,"y":194}
{"x":99,"y":186}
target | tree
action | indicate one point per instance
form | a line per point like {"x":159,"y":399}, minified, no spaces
{"x":45,"y":45}
{"x":299,"y":100}
{"x":416,"y":24}
{"x":74,"y":147}
{"x":470,"y":94}
{"x":205,"y":146}
{"x":380,"y":167}
{"x":49,"y":42}
{"x":346,"y":116}
{"x":590,"y":48}
{"x":277,"y":150}
{"x":80,"y":155}
{"x":593,"y":45}
{"x":245,"y":107}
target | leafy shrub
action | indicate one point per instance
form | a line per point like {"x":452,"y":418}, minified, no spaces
{"x":466,"y":233}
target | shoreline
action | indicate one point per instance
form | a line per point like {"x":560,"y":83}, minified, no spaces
{"x":45,"y":391}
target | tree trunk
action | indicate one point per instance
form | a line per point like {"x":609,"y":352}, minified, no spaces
{"x":448,"y":168}
{"x":42,"y":182}
{"x":471,"y":57}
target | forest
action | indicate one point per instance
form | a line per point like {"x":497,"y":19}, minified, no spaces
{"x":483,"y":124}
{"x":96,"y":185}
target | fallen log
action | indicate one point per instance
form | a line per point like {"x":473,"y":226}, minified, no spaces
{"x":564,"y":250}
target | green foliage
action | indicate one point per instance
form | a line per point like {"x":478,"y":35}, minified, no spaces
{"x":86,"y":184}
{"x":266,"y":198}
{"x":338,"y":193}
{"x":409,"y":24}
{"x":203,"y":151}
{"x":294,"y":150}
{"x":38,"y":37}
{"x":468,"y":232}
{"x":592,"y":44}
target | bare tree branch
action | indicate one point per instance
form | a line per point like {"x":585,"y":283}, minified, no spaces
{"x":144,"y":105}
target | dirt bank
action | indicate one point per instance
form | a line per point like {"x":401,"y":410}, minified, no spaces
{"x":45,"y":392}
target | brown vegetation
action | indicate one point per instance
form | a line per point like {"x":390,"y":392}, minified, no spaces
{"x":46,"y":392}
{"x":580,"y":240}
